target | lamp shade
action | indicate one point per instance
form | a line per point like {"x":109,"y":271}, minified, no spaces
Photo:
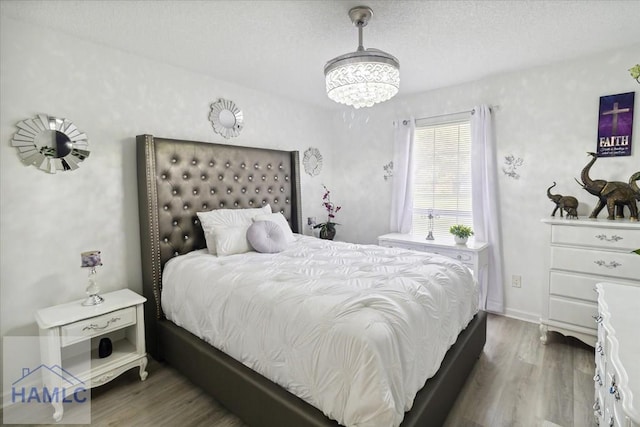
{"x":362,"y":78}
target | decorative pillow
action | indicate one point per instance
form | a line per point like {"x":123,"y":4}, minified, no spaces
{"x":266,"y":237}
{"x":279,"y":219}
{"x":231,"y":240}
{"x":217,"y":218}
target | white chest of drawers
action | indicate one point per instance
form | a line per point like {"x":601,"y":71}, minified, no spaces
{"x":583,"y":253}
{"x":617,"y":375}
{"x":474,"y":254}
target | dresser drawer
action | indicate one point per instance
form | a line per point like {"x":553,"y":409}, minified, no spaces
{"x":597,"y":237}
{"x":603,"y":263}
{"x":79,"y":331}
{"x":574,"y":312}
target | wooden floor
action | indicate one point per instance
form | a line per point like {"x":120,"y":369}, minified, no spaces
{"x":516,"y":382}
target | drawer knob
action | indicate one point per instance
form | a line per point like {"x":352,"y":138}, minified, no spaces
{"x":94,"y":327}
{"x":598,"y":318}
{"x":604,"y":237}
{"x":596,"y":408}
{"x":604,"y":264}
{"x":611,"y":421}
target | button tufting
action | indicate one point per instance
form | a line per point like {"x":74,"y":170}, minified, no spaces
{"x":235,"y":178}
{"x":235,"y":204}
{"x":175,"y":223}
{"x":213,"y":191}
{"x":227,"y":164}
{"x":220,"y":177}
{"x":228,"y":191}
{"x":204,"y":206}
{"x":195,"y":192}
{"x":210,"y":163}
{"x":185,"y":176}
{"x":176,"y":253}
{"x":164,"y":176}
{"x":185,"y":207}
{"x":174,"y":160}
{"x":186,"y":237}
{"x":257,"y":190}
{"x":175,"y":192}
{"x":275,"y":177}
{"x":193,"y":162}
{"x":256,"y":166}
{"x":244,"y":190}
{"x":165,"y":207}
{"x":286,"y":200}
{"x":243,"y":166}
{"x":270,"y":190}
{"x":264,"y":178}
{"x":250,"y":178}
{"x":282,"y":211}
{"x":269,"y":166}
{"x":286,"y":177}
{"x":203,"y":177}
{"x":250,"y":202}
{"x":264,"y":202}
{"x":221,"y":204}
{"x":166,"y":240}
{"x":280,"y":167}
{"x":282,"y":189}
{"x":275,"y":200}
{"x":195,"y":221}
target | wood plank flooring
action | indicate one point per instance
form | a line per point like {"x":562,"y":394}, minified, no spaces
{"x":516,"y":382}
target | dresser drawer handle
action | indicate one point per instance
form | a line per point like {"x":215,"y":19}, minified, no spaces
{"x":612,"y":264}
{"x":598,"y":380}
{"x":597,"y":318}
{"x":599,"y":349}
{"x":96,"y":327}
{"x":611,"y":421}
{"x":604,"y":237}
{"x":596,"y":408}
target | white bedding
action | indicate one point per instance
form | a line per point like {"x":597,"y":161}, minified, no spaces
{"x":355,"y":330}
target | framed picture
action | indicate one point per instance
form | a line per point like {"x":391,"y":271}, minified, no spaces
{"x":615,"y":122}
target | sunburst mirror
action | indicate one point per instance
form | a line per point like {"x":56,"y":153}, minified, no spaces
{"x":226,"y":118}
{"x":51,"y":144}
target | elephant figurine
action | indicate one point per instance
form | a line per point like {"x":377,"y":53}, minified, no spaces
{"x":566,"y":203}
{"x":615,"y":195}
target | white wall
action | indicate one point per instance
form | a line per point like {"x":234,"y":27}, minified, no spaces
{"x":547,"y":116}
{"x":47,"y":220}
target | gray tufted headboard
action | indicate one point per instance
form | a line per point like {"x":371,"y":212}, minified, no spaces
{"x":177,"y":179}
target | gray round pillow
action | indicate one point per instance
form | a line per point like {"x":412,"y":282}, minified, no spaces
{"x":266,"y":237}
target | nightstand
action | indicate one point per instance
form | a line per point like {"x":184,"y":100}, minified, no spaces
{"x":67,"y":328}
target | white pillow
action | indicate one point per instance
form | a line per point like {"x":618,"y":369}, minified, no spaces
{"x":266,"y":237}
{"x":232,"y":240}
{"x":217,"y":218}
{"x":279,"y":219}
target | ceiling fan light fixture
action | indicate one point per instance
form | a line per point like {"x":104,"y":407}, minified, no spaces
{"x":364,"y":77}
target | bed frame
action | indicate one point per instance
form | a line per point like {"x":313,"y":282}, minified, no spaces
{"x":178,"y":178}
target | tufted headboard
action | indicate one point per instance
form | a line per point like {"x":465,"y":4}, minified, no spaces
{"x":177,"y":179}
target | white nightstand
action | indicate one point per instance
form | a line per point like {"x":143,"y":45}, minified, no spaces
{"x":120,"y":318}
{"x":474,"y":254}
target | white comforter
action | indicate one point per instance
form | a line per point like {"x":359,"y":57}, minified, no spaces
{"x":355,"y":330}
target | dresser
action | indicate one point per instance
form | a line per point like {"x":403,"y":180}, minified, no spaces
{"x":71,"y":334}
{"x":473,"y":254}
{"x":617,"y":375}
{"x":582,"y":253}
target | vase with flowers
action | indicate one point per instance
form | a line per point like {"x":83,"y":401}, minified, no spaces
{"x":328,"y":228}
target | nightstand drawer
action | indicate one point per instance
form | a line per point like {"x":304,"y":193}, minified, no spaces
{"x":79,"y":331}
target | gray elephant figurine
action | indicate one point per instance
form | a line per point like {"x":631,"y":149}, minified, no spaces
{"x":566,"y":203}
{"x":615,"y":195}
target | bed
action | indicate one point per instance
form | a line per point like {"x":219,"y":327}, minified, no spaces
{"x":177,"y":179}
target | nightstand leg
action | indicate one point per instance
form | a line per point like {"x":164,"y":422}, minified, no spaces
{"x":543,"y":333}
{"x":143,"y":367}
{"x":58,"y":411}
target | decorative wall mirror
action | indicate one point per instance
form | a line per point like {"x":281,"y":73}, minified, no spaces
{"x":312,"y":161}
{"x":51,"y":144}
{"x":227,"y":119}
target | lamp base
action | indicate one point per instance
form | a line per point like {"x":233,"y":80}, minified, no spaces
{"x":93,"y":300}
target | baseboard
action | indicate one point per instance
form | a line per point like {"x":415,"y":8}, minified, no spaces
{"x":522,"y":315}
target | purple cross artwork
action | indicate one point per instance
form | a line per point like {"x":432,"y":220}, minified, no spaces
{"x":615,"y":123}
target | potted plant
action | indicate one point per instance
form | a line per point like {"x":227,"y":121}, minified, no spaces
{"x":328,"y":228}
{"x":461,"y":233}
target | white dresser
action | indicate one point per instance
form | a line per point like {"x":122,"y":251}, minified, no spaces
{"x":473,"y":254}
{"x":617,"y":375}
{"x":583,"y":253}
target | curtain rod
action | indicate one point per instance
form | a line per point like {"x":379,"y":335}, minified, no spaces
{"x":472,"y":111}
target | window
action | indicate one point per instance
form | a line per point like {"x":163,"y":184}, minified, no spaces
{"x":442,"y":182}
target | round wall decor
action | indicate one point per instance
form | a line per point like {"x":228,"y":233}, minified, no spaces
{"x":51,"y":144}
{"x":312,"y":161}
{"x":226,"y":118}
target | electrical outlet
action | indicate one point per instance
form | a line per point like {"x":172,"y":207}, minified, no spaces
{"x":516,"y":281}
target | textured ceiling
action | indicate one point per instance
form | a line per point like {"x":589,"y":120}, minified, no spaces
{"x":281,"y":47}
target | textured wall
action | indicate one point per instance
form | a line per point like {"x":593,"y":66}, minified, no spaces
{"x":547,"y":116}
{"x":47,"y":220}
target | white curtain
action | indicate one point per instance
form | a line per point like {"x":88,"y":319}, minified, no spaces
{"x":402,"y":190}
{"x":485,"y":206}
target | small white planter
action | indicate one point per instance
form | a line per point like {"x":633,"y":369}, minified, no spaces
{"x":460,"y":240}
